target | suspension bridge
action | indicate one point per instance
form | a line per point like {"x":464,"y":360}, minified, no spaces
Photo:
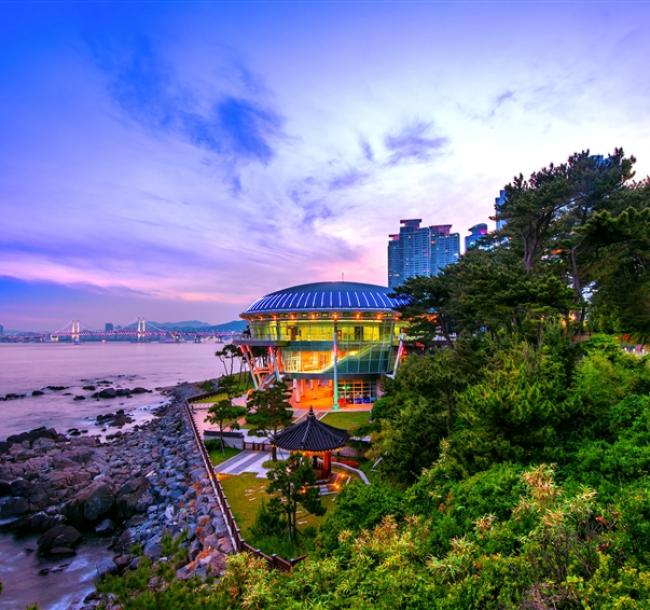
{"x":138,"y":330}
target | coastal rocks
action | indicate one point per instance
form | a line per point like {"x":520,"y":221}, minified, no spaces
{"x":108,"y":393}
{"x":135,"y":496}
{"x":13,"y":506}
{"x":90,"y":504}
{"x":147,"y":484}
{"x":117,"y":419}
{"x":56,"y":388}
{"x":105,"y":527}
{"x":37,"y":392}
{"x":59,"y":540}
{"x":12,"y":396}
{"x":33,"y":435}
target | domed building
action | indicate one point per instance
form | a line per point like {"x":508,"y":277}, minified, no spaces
{"x":332,"y":340}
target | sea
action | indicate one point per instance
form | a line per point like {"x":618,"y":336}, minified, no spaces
{"x":34,"y":366}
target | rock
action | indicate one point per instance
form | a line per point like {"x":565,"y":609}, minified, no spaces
{"x":59,"y":537}
{"x":32,"y":435}
{"x":73,"y":432}
{"x":61,"y":551}
{"x":79,"y":397}
{"x":89,"y":388}
{"x":90,"y":504}
{"x":121,"y":561}
{"x":37,"y":392}
{"x":152,"y":549}
{"x":13,"y":506}
{"x":106,"y":393}
{"x":139,"y":390}
{"x":105,"y":527}
{"x":20,"y":487}
{"x":37,"y":523}
{"x":134,"y":496}
{"x":57,"y":388}
{"x":122,"y":543}
{"x":5,"y":488}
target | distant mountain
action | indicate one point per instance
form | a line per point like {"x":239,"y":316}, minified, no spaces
{"x":183,"y":324}
{"x":235,"y":326}
{"x":189,"y":325}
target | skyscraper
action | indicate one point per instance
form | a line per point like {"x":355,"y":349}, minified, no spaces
{"x":476,"y":232}
{"x":417,"y":250}
{"x":498,"y":204}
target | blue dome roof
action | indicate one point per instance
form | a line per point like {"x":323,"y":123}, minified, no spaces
{"x":327,"y":296}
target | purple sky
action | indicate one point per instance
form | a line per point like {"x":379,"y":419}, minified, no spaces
{"x":176,"y":161}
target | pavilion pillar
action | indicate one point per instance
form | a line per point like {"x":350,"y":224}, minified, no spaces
{"x":327,"y":463}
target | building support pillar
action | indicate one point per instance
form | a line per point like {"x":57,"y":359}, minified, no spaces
{"x":335,"y":392}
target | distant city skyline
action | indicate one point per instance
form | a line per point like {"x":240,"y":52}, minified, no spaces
{"x":177,"y":160}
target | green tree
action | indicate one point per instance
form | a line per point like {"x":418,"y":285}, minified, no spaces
{"x":621,"y":270}
{"x":223,"y":414}
{"x":269,"y":410}
{"x":228,"y":355}
{"x":293,"y":481}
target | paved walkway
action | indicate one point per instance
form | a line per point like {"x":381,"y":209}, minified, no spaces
{"x":248,"y":461}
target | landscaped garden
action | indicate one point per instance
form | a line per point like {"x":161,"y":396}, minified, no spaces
{"x":349,"y":421}
{"x":217,"y":454}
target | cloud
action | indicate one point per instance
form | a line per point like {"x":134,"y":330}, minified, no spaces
{"x":366,"y":149}
{"x":353,"y":177}
{"x":148,"y":89}
{"x":414,"y":143}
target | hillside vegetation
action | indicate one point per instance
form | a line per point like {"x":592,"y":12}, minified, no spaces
{"x":516,"y":458}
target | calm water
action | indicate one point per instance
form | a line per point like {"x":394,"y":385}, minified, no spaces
{"x":27,"y":367}
{"x":24,"y":368}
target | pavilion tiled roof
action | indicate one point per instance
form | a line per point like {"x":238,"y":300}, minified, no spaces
{"x":310,"y":434}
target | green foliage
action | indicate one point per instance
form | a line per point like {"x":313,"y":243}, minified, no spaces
{"x":223,"y":414}
{"x":293,"y":481}
{"x":358,"y":507}
{"x":269,"y":410}
{"x":517,"y":458}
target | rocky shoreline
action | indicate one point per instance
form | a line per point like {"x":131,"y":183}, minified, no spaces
{"x":132,"y":490}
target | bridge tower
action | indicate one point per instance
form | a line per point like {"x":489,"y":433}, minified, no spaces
{"x":75,"y":331}
{"x":142,"y":328}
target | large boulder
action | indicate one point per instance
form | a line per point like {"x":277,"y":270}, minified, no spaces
{"x":91,"y":503}
{"x":13,"y":506}
{"x":32,"y":435}
{"x":58,"y":540}
{"x":135,"y":496}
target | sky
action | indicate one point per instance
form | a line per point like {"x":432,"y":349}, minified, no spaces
{"x":176,"y":161}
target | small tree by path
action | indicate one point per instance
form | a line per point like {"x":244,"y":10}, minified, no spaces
{"x":224,"y":413}
{"x":227,"y":357}
{"x":292,"y":481}
{"x":269,"y":410}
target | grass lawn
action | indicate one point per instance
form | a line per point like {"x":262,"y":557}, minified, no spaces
{"x":216,"y":456}
{"x":211,"y":399}
{"x":245,"y":493}
{"x":374,"y":476}
{"x":348,"y":421}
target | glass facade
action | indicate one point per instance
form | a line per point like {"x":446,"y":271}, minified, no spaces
{"x":417,"y":250}
{"x":323,"y":350}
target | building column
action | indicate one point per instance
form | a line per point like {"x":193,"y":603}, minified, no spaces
{"x":327,"y":463}
{"x":296,"y":390}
